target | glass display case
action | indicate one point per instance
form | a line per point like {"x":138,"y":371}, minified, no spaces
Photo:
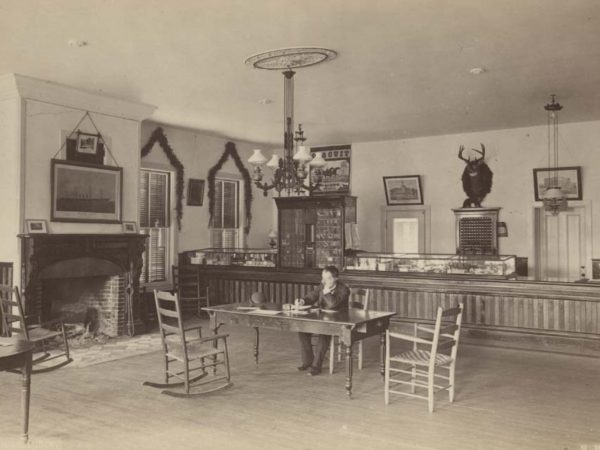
{"x":246,"y":257}
{"x":498,"y":266}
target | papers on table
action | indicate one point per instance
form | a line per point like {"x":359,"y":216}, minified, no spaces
{"x":296,"y":313}
{"x":328,"y":310}
{"x":268,"y":312}
{"x":302,"y":308}
{"x":5,"y":342}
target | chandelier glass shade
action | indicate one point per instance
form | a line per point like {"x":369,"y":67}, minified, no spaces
{"x":289,"y":173}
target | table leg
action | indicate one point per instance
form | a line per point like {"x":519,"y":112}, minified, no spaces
{"x":349,"y":370}
{"x":256,"y":343}
{"x":382,"y":354}
{"x":25,"y":395}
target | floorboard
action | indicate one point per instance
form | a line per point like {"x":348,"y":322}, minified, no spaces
{"x":505,"y":399}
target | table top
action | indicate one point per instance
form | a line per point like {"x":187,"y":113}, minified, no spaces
{"x":15,"y":347}
{"x":350,"y":316}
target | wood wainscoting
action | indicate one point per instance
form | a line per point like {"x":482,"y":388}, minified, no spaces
{"x":561,"y":317}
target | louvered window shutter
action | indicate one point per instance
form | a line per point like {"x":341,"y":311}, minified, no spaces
{"x":155,"y":222}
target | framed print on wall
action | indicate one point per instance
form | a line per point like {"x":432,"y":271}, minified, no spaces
{"x":335,"y":176}
{"x":195,"y":192}
{"x":85,"y":192}
{"x":403,"y":190}
{"x":568,"y":178}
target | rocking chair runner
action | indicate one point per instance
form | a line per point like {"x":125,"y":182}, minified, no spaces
{"x":37,"y":332}
{"x":184,"y":355}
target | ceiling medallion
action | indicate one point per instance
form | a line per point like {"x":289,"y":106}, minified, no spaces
{"x":290,"y":58}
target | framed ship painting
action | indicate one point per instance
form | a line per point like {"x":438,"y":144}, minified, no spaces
{"x":403,"y":190}
{"x":85,"y":192}
{"x":335,"y":176}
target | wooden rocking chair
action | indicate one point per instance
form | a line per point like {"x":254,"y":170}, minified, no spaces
{"x":184,"y":354}
{"x":42,"y":334}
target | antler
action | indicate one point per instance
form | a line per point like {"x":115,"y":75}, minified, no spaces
{"x":482,"y":152}
{"x":461,"y":149}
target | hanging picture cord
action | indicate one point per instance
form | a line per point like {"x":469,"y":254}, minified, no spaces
{"x":89,"y":116}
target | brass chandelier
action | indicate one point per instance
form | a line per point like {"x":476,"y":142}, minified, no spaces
{"x":290,"y":173}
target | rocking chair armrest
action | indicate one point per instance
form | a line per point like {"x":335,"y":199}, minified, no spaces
{"x":213,"y":337}
{"x":406,"y":337}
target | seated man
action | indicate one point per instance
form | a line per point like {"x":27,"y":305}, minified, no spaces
{"x":331,"y":294}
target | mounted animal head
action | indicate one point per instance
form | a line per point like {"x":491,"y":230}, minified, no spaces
{"x":473,"y":164}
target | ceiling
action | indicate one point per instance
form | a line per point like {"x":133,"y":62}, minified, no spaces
{"x":402,"y":68}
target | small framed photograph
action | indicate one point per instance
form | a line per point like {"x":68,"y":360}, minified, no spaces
{"x":87,"y":143}
{"x":567,"y":178}
{"x":129,"y":227}
{"x":36,"y":226}
{"x":195,"y":192}
{"x":403,"y":190}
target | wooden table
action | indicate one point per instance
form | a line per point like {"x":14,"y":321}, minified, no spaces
{"x":350,"y":326}
{"x":17,"y":355}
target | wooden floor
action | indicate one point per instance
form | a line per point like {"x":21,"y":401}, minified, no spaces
{"x":505,"y":399}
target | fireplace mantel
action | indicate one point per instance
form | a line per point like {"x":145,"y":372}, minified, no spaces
{"x":39,"y":251}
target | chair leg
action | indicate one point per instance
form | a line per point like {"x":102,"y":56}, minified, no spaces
{"x":227,"y":374}
{"x":387,"y":372}
{"x":186,"y":379}
{"x":64,"y":334}
{"x":339,"y":350}
{"x":331,"y":355}
{"x":451,"y":376}
{"x":413,"y":378}
{"x":166,"y":370}
{"x":360,"y":355}
{"x":430,"y":392}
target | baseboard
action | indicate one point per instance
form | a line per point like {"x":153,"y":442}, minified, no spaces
{"x":571,"y":345}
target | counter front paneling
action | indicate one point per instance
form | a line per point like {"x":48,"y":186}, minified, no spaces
{"x":559,"y":309}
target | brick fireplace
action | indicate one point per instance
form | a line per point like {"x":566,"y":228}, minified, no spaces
{"x":98,"y":302}
{"x":89,"y":279}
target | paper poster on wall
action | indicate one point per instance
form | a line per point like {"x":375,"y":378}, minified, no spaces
{"x":335,"y":176}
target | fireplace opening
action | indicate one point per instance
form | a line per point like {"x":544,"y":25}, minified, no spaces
{"x":88,"y":294}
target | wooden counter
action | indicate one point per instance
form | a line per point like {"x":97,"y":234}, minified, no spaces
{"x":494,"y":309}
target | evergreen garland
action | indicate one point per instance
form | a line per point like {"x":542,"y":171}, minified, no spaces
{"x":230,"y":151}
{"x":158,"y":135}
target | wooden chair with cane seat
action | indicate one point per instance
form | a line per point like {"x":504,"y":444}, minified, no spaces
{"x":185,"y":355}
{"x":42,"y":334}
{"x":360,"y":300}
{"x":422,"y":364}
